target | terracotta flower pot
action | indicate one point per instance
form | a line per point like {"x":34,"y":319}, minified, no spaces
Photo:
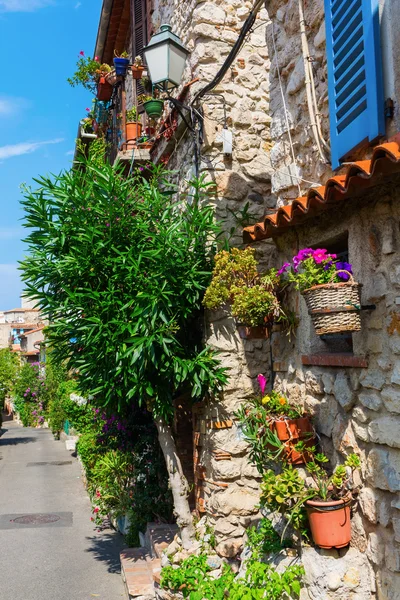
{"x":292,"y":431}
{"x":253,"y":333}
{"x":133,"y":131}
{"x":137,"y":72}
{"x":104,"y":90}
{"x":330,"y":522}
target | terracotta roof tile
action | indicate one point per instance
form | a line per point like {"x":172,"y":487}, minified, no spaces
{"x":358,"y":176}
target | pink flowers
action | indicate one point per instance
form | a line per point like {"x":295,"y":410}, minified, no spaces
{"x":96,"y":510}
{"x":81,"y":53}
{"x":97,"y":58}
{"x":87,"y":109}
{"x":262,"y":382}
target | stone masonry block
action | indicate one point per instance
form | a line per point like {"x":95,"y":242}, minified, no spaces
{"x":342,"y":391}
{"x":371,"y":400}
{"x":392,"y":557}
{"x":372,"y":379}
{"x":385,"y":430}
{"x":383,"y":469}
{"x":396,"y":527}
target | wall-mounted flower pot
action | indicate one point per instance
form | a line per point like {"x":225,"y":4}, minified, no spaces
{"x":335,"y":307}
{"x":292,"y":431}
{"x":330,"y":522}
{"x":154,"y":108}
{"x":121,"y":65}
{"x":133,"y":131}
{"x":111,"y":77}
{"x":253,"y":333}
{"x":137,"y":72}
{"x":104,"y":90}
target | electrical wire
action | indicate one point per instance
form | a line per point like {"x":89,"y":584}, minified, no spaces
{"x":248,"y":24}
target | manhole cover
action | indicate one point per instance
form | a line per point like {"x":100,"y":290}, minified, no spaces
{"x":37,"y":519}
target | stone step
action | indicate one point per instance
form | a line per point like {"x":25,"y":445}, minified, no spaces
{"x":138,"y":571}
{"x":158,"y":537}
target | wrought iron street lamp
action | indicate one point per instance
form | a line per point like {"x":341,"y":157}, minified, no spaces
{"x":165,"y":57}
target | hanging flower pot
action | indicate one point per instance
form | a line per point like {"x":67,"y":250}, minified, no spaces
{"x":154,"y":108}
{"x":137,"y":71}
{"x":335,"y":307}
{"x":291,"y":432}
{"x":330,"y":522}
{"x":111,"y":77}
{"x":104,"y":90}
{"x":121,"y":65}
{"x":253,"y":333}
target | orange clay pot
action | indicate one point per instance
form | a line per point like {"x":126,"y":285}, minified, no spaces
{"x":104,"y":90}
{"x":330,"y":522}
{"x":253,"y":333}
{"x":133,"y":131}
{"x":291,"y":431}
{"x":137,"y":72}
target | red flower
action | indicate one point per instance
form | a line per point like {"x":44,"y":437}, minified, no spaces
{"x":81,"y":53}
{"x":88,"y":110}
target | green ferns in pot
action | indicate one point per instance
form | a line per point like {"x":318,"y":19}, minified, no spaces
{"x":237,"y":283}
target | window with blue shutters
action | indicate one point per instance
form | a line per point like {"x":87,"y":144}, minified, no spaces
{"x":354,"y":56}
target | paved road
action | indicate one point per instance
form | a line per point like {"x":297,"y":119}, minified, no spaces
{"x":64,"y":560}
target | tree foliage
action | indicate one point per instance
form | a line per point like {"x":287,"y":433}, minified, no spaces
{"x":9,"y":367}
{"x":120,"y":266}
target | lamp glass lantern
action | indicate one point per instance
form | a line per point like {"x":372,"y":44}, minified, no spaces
{"x":165,"y":57}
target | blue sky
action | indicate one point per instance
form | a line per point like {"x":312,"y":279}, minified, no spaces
{"x":39,"y":112}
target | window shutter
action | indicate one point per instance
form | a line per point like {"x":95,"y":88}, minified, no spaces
{"x":354,"y":74}
{"x":140,"y":32}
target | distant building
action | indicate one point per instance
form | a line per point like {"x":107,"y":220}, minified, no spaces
{"x":30,"y":344}
{"x":16,"y":322}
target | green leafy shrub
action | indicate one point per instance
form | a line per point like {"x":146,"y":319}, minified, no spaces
{"x":9,"y":368}
{"x":88,"y":71}
{"x":88,"y":450}
{"x":236,"y":281}
{"x":261,"y":582}
{"x":31,"y":394}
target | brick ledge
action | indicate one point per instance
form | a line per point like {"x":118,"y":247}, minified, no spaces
{"x":334,"y":360}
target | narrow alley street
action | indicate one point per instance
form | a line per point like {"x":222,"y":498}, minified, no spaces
{"x":49,"y":548}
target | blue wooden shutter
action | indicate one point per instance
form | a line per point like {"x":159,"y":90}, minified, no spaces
{"x":355,"y":83}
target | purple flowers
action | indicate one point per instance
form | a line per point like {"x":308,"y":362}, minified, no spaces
{"x":345,"y":266}
{"x":284,"y":268}
{"x":314,"y":267}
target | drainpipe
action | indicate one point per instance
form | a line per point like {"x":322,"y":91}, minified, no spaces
{"x":105,"y":15}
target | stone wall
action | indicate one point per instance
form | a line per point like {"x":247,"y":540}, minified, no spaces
{"x":229,"y":486}
{"x":358,"y":409}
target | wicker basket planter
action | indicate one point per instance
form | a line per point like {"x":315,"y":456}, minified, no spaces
{"x":335,"y":307}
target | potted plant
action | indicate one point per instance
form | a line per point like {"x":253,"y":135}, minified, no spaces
{"x":104,"y":87}
{"x":251,"y":296}
{"x":326,"y":500}
{"x":133,"y":127}
{"x":121,"y":63}
{"x":137,"y":68}
{"x":332,"y":296}
{"x":87,"y":73}
{"x":328,"y":508}
{"x":153,"y":107}
{"x":276,"y":429}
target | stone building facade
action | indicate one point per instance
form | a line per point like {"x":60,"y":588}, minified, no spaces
{"x":354,"y":393}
